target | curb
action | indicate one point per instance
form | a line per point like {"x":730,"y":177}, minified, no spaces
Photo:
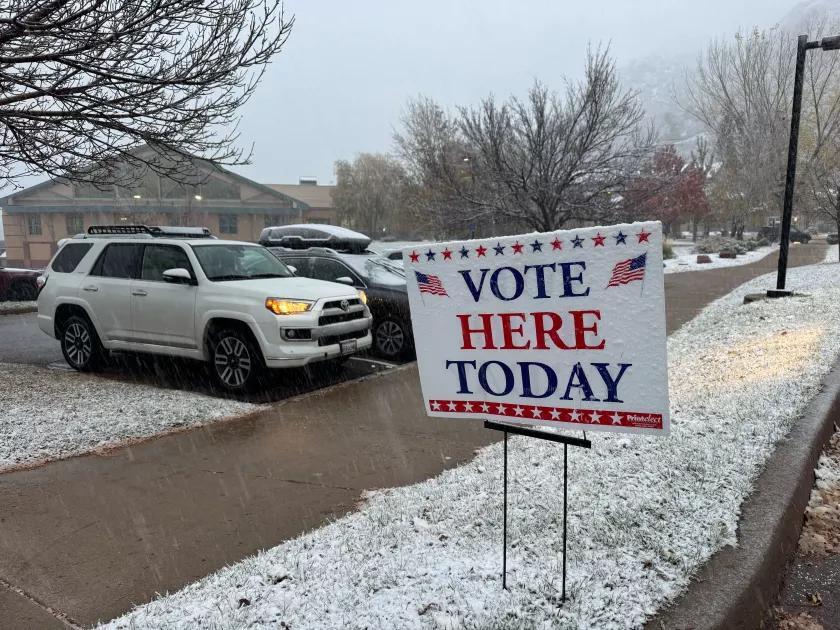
{"x":738,"y":586}
{"x":18,"y":311}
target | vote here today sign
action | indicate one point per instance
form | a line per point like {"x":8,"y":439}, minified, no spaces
{"x":562,"y":329}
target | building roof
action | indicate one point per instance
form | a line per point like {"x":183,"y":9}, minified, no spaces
{"x":311,"y":194}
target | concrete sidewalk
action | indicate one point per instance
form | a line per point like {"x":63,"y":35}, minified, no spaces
{"x":94,"y":535}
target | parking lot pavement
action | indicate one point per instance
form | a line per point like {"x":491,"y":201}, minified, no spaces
{"x":21,"y":341}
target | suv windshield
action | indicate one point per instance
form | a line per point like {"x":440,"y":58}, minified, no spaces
{"x":376,"y":269}
{"x":222,"y":262}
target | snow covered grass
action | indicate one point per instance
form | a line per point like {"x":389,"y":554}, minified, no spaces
{"x":831,"y":256}
{"x":8,"y":308}
{"x":49,"y":414}
{"x":685,"y":260}
{"x":644,"y":512}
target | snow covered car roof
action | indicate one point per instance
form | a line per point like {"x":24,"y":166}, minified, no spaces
{"x":306,"y":235}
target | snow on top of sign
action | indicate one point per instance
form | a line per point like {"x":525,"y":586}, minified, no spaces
{"x":644,"y":512}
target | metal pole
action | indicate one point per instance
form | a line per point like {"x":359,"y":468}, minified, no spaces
{"x":790,"y":178}
{"x":565,"y":499}
{"x":504,"y":526}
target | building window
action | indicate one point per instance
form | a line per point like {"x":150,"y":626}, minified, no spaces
{"x":75,"y":223}
{"x":227,"y":224}
{"x":272,"y":220}
{"x":33,"y":224}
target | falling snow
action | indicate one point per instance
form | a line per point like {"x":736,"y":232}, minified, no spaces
{"x":645,"y":512}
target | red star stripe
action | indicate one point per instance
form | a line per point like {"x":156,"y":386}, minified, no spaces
{"x":482,"y":251}
{"x":643,"y":236}
{"x":415,"y":257}
{"x":517,"y":247}
{"x":556,"y":243}
{"x":599,"y":240}
{"x":643,"y":420}
{"x":447,"y":255}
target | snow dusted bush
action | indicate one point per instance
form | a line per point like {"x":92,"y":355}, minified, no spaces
{"x":717,"y":244}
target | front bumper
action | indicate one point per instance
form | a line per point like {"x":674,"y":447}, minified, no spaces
{"x":324,"y":341}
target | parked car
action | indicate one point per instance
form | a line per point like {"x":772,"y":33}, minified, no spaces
{"x":19,"y":284}
{"x":180,"y":292}
{"x":351,"y":263}
{"x":773,"y":232}
{"x":832,"y":238}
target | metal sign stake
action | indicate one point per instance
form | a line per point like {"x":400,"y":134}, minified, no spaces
{"x":541,"y":435}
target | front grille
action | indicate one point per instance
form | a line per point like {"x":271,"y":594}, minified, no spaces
{"x":337,"y":303}
{"x":332,"y":339}
{"x":324,"y":320}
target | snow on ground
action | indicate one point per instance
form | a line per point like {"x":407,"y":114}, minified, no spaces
{"x":49,"y":414}
{"x":7,"y":308}
{"x":645,"y":512}
{"x":685,"y":260}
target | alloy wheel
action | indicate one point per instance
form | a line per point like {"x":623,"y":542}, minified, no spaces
{"x":390,"y":338}
{"x":232,"y":361}
{"x":78,"y":344}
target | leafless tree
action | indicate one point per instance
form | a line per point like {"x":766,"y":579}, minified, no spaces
{"x":86,"y":81}
{"x":741,"y":91}
{"x":368,"y":191}
{"x":538,"y":162}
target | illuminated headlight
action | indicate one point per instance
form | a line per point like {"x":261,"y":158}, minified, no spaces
{"x":280,"y":306}
{"x":363,"y":296}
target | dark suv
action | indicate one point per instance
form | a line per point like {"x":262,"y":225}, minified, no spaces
{"x":338,"y":254}
{"x":773,"y":232}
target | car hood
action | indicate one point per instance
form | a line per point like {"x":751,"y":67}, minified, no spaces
{"x":295,"y":288}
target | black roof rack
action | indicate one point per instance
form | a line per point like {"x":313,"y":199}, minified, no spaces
{"x":150,"y":230}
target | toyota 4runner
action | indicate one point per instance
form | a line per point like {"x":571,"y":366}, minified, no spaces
{"x":181,"y":292}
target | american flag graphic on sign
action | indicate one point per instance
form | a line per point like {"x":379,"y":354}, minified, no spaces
{"x":628,"y":271}
{"x":427,"y":283}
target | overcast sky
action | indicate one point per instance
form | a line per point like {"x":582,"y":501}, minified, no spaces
{"x":340,"y":84}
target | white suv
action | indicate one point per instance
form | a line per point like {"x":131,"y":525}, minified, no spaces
{"x":181,"y":292}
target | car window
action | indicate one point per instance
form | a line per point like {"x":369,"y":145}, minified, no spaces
{"x":227,"y":261}
{"x":159,"y":258}
{"x":332,"y":270}
{"x":70,"y":256}
{"x":301,"y":265}
{"x":377,"y":269}
{"x":119,"y":260}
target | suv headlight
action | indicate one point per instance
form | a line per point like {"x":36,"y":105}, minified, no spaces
{"x":363,"y":297}
{"x":282,"y":306}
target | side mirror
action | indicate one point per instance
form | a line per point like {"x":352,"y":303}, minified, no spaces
{"x":292,"y":268}
{"x":345,"y":280}
{"x":177,"y":276}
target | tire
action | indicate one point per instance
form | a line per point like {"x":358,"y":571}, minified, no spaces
{"x":23,"y":292}
{"x":235,"y":361}
{"x":390,"y":338}
{"x":80,"y":345}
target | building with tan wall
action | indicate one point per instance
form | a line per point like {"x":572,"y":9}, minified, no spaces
{"x":232,"y":206}
{"x":320,"y":206}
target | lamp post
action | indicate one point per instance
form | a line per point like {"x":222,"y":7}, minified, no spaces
{"x":803,"y":46}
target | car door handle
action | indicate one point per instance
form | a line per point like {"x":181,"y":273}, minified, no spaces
{"x":139,"y":292}
{"x":90,"y":287}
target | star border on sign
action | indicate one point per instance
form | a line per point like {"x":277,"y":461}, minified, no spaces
{"x":414,"y":256}
{"x":620,"y":238}
{"x":430,"y":255}
{"x":447,"y":255}
{"x":465,"y":253}
{"x":500,"y":249}
{"x":481,"y":251}
{"x":578,"y":241}
{"x":536,"y":246}
{"x":599,"y":240}
{"x":643,"y":236}
{"x":556,"y":243}
{"x":517,"y":247}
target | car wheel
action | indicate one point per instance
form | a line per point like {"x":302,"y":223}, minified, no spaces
{"x":390,"y":338}
{"x":235,"y":361}
{"x":23,"y":292}
{"x":80,"y":345}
